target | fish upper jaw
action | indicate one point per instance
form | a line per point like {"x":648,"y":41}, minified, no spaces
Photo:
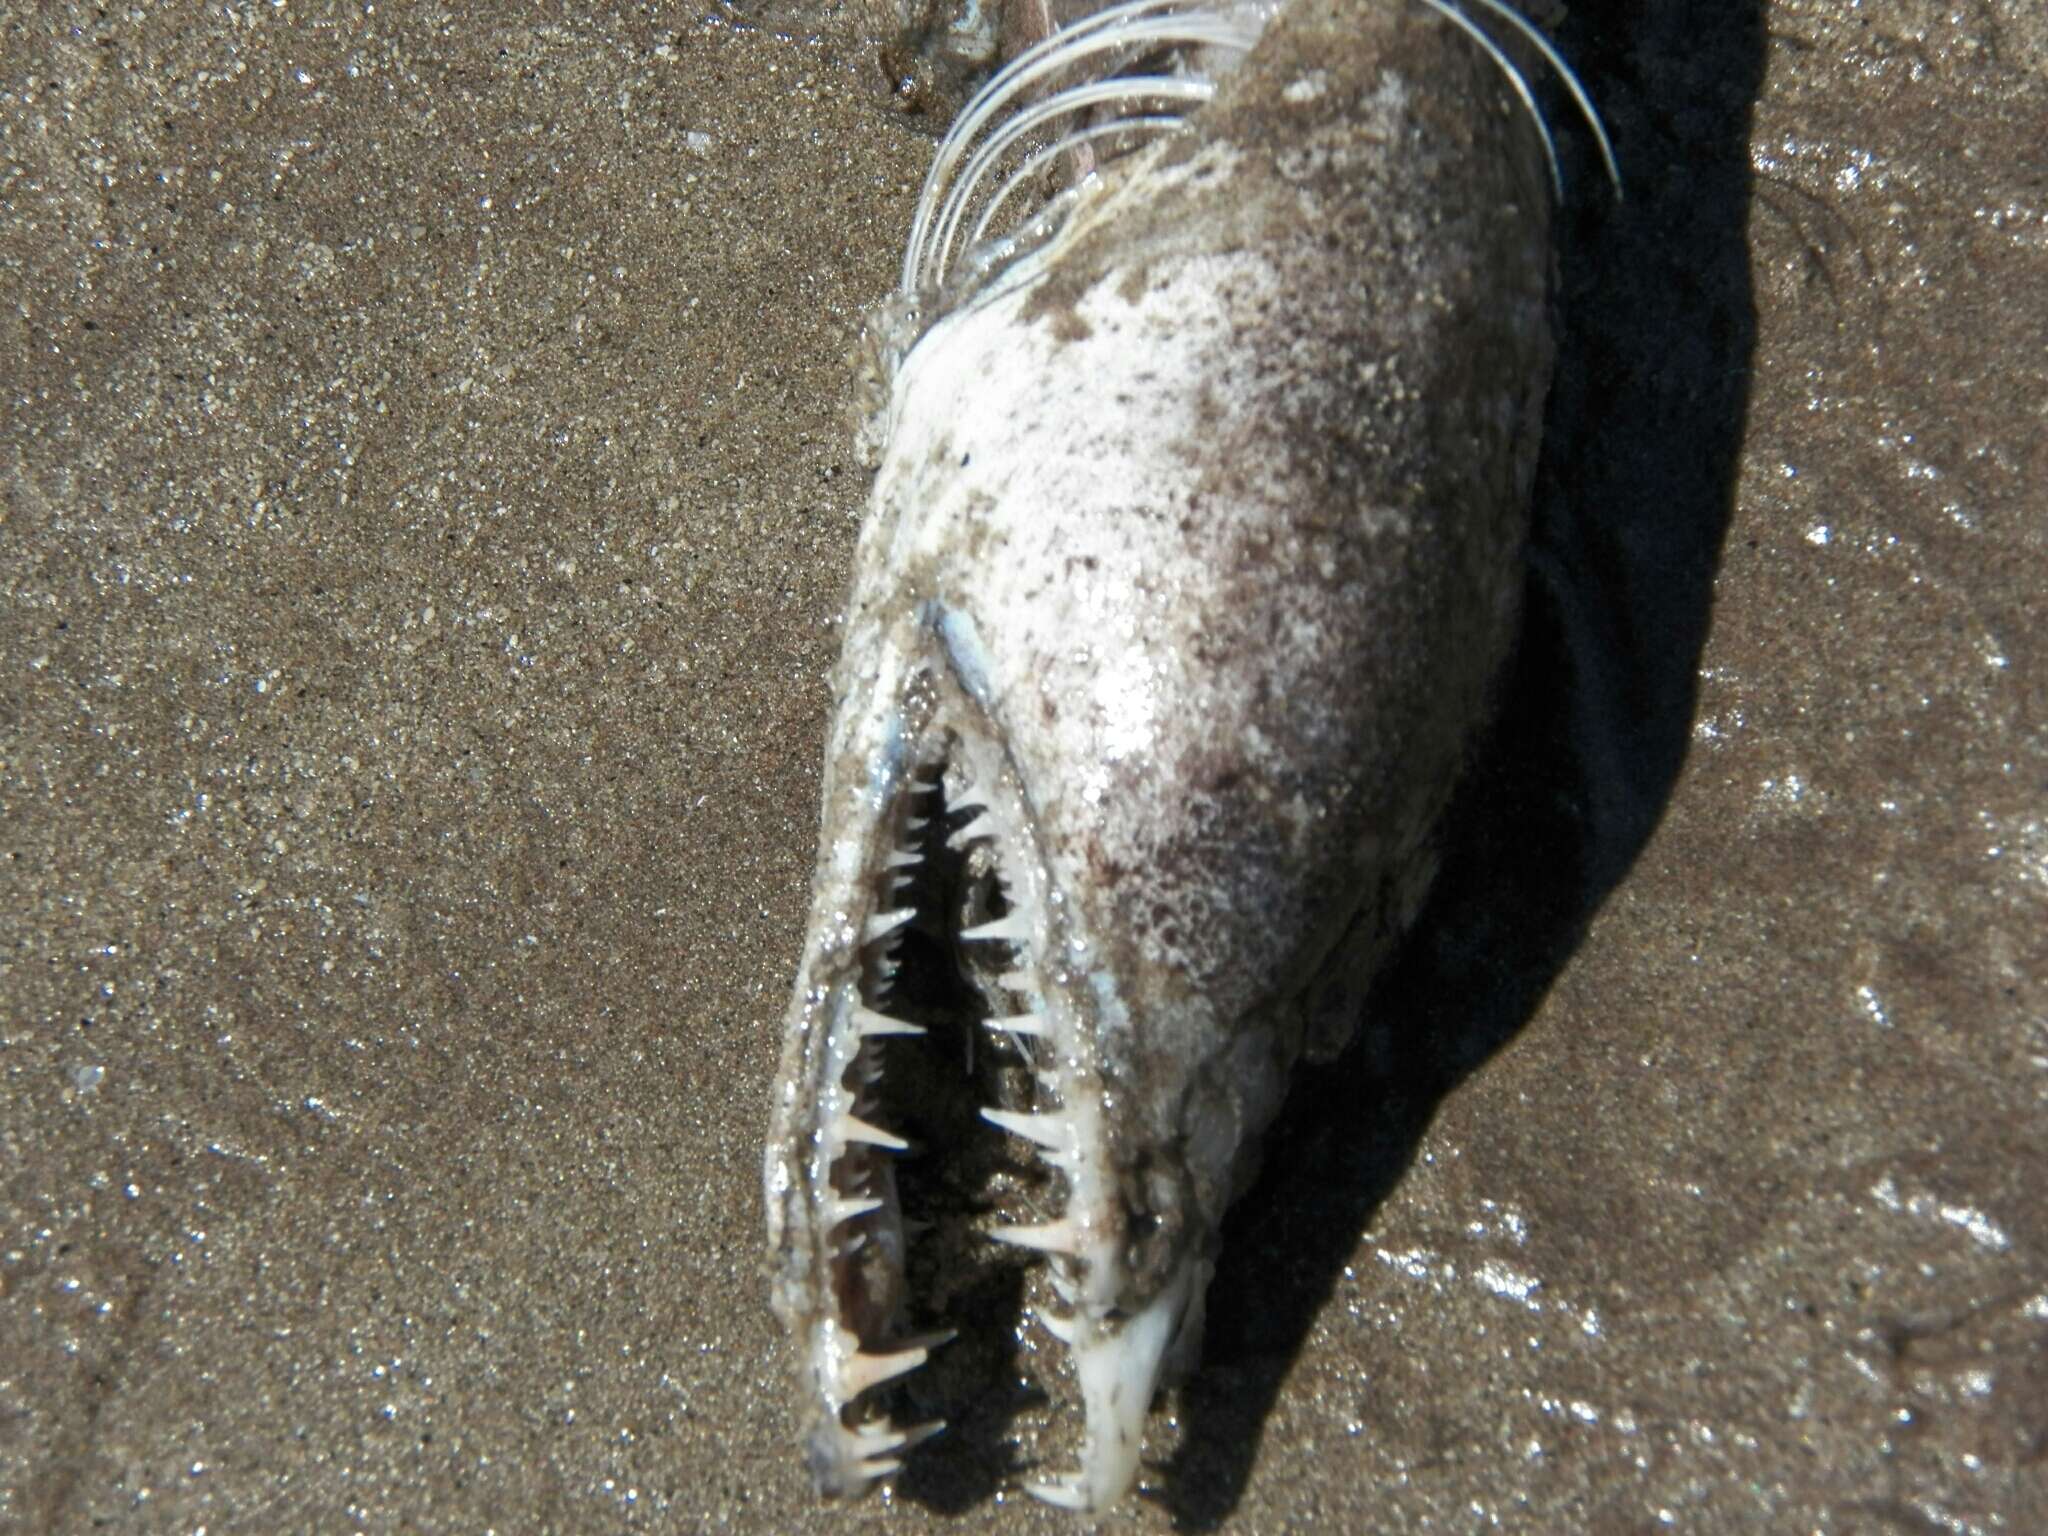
{"x":944,"y":1104}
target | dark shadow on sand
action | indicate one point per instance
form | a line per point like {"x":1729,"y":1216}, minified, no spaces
{"x":1634,"y":495}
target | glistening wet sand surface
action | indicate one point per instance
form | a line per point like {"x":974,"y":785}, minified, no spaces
{"x":427,"y":498}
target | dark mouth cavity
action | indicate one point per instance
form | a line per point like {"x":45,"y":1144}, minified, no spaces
{"x":962,"y":1176}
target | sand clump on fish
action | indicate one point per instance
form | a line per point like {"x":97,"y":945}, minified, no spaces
{"x":1195,"y":545}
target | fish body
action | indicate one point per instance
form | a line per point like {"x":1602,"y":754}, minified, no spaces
{"x":1194,"y":549}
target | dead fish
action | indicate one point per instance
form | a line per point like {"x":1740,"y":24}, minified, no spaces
{"x":1195,"y":545}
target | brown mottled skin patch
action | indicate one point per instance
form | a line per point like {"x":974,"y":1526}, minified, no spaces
{"x":1411,"y":232}
{"x":1069,"y":326}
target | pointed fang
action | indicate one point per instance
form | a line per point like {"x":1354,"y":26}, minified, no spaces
{"x":1052,"y":1132}
{"x":1047,"y":1237}
{"x":853,"y":1128}
{"x":1061,"y":1328}
{"x":863,"y":1370}
{"x":982,"y":826}
{"x":1021,"y":1024}
{"x":882,"y":924}
{"x":917,"y":1434}
{"x":1014,"y":929}
{"x":887,"y":1440}
{"x":1067,"y":1493}
{"x":852,"y":1210}
{"x":873,"y":1025}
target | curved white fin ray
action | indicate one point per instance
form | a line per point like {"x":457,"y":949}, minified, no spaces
{"x":1144,"y":122}
{"x":1154,"y":23}
{"x":949,"y":188}
{"x":1566,"y":76}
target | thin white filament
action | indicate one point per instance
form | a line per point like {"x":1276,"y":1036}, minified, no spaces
{"x":1150,"y":123}
{"x":1120,"y":27}
{"x":949,"y":188}
{"x":927,"y":257}
{"x":1494,"y":51}
{"x":1015,"y":76}
{"x":1533,"y":35}
{"x":1120,"y":88}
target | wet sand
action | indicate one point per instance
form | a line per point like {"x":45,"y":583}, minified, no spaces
{"x":426,"y":500}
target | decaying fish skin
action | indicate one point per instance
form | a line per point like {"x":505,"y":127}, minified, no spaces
{"x":1194,"y":549}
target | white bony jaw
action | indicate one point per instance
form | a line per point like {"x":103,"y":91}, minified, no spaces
{"x":1119,"y":1370}
{"x":949,"y":1013}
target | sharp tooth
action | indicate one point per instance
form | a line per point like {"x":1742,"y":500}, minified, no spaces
{"x":1118,"y":1373}
{"x":887,"y":1439}
{"x":863,"y":1370}
{"x":902,"y":858}
{"x":852,"y":1128}
{"x":1061,"y":1328}
{"x":1066,"y":1492}
{"x":1022,"y":1024}
{"x":917,"y":1434}
{"x":1047,"y":1237}
{"x":983,"y":825}
{"x":1053,"y":1132}
{"x":1014,"y":929}
{"x":882,"y":924}
{"x":873,"y":1025}
{"x":849,"y":1210}
{"x":1018,"y":981}
{"x":916,"y":823}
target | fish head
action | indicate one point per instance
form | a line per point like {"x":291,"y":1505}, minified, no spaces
{"x":1189,"y":563}
{"x":1114,"y":803}
{"x":1002,"y":1053}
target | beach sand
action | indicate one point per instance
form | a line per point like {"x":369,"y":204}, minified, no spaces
{"x":426,"y":499}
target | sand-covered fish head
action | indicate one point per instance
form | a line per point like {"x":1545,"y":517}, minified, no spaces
{"x":1194,"y":546}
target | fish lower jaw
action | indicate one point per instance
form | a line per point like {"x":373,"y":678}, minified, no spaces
{"x":948,"y":1139}
{"x":845,"y":1459}
{"x":861,"y":1354}
{"x":1118,"y":1358}
{"x":1119,"y":1365}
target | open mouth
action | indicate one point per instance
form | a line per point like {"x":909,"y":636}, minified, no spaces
{"x":967,"y":1251}
{"x":952,"y":1174}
